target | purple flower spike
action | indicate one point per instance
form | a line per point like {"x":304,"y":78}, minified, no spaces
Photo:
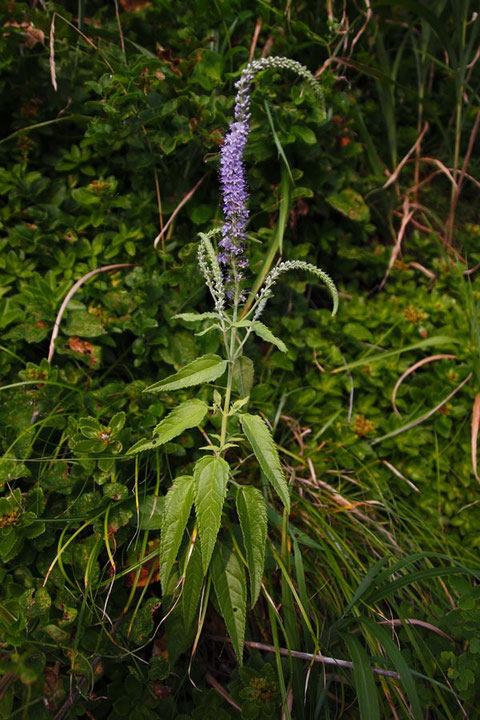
{"x":234,"y":189}
{"x":232,"y":170}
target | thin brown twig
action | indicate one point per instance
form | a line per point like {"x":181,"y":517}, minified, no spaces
{"x":407,"y":216}
{"x":394,"y":176}
{"x":174,"y":214}
{"x":306,"y":656}
{"x":411,"y":369}
{"x":221,"y":691}
{"x":70,"y":294}
{"x":120,"y":32}
{"x":364,"y":26}
{"x":399,"y":474}
{"x":53,"y":72}
{"x":463,"y":172}
{"x":427,"y":415}
{"x":267,"y":47}
{"x":256,"y":33}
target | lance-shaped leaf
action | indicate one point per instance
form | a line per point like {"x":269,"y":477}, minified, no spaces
{"x":196,"y":317}
{"x":142,"y":445}
{"x":230,"y":586}
{"x":204,"y":369}
{"x":210,"y":478}
{"x":187,"y":415}
{"x":252,"y":513}
{"x":243,"y":375}
{"x":266,"y":334}
{"x":192,"y":588}
{"x":261,"y":440}
{"x":178,"y":503}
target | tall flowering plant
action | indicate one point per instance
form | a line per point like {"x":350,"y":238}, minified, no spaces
{"x":193,"y":558}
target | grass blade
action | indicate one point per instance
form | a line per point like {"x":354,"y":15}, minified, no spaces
{"x":364,"y":680}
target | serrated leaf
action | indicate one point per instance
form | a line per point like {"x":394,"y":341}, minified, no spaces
{"x":266,"y":334}
{"x":187,"y":415}
{"x":178,"y":504}
{"x":364,"y":681}
{"x":142,"y":445}
{"x":196,"y":317}
{"x":230,"y":586}
{"x":204,"y":369}
{"x":192,"y":588}
{"x":243,"y":375}
{"x":261,"y":440}
{"x":252,"y":513}
{"x":207,"y":330}
{"x":210,"y":478}
{"x":117,"y":422}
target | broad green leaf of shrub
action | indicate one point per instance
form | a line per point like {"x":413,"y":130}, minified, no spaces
{"x":178,"y":504}
{"x":205,"y":369}
{"x":266,"y":334}
{"x":252,"y":513}
{"x":230,"y":586}
{"x":210,"y":478}
{"x":187,"y":415}
{"x":83,"y":323}
{"x":351,"y":204}
{"x":261,"y":441}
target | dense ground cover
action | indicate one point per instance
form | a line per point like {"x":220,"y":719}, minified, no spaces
{"x":112,"y":116}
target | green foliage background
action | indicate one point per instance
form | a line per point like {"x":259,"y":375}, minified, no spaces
{"x":89,"y":175}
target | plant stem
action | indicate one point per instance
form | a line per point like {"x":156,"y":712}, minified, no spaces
{"x":230,"y":348}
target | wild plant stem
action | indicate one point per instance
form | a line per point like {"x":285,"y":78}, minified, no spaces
{"x":230,"y":348}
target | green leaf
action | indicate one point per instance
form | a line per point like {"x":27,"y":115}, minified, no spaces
{"x":205,"y":369}
{"x":178,"y":503}
{"x":252,"y":513}
{"x":351,"y":204}
{"x":142,"y":445}
{"x":150,"y":512}
{"x":421,"y":344}
{"x":210,"y":477}
{"x":305,"y":134}
{"x":230,"y":586}
{"x":364,"y":680}
{"x":400,"y":664}
{"x":266,"y":334}
{"x":187,"y":415}
{"x":117,"y":422}
{"x":192,"y":588}
{"x":261,"y":440}
{"x":196,"y":317}
{"x":243,"y":375}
